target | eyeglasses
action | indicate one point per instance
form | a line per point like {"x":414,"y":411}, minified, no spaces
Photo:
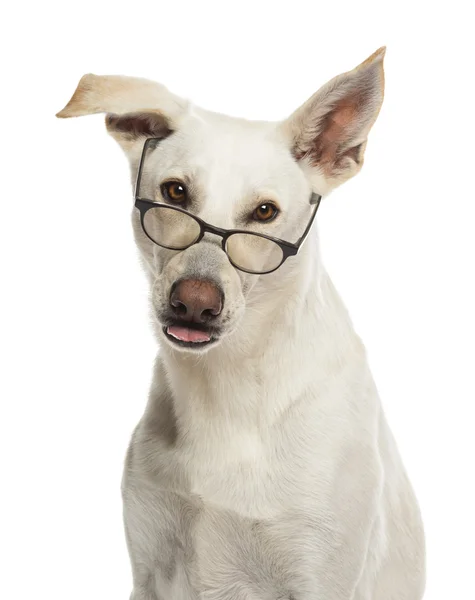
{"x":174,"y":228}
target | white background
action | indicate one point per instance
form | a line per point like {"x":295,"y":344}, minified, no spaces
{"x":75,"y":339}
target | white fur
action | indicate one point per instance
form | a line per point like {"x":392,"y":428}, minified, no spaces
{"x":263,"y":467}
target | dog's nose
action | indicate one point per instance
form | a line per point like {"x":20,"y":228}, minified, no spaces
{"x":196,"y":300}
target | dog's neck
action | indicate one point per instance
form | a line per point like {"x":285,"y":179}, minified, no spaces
{"x":293,"y":338}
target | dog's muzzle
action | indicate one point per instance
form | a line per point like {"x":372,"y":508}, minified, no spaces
{"x":193,"y":312}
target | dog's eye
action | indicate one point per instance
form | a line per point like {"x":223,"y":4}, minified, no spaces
{"x":173,"y":191}
{"x":265,"y":212}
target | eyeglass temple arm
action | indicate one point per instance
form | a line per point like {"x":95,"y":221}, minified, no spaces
{"x":314,"y":201}
{"x":142,"y":160}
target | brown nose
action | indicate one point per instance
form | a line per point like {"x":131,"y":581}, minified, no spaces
{"x":196,"y":300}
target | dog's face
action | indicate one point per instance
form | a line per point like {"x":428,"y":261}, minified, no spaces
{"x":232,"y":174}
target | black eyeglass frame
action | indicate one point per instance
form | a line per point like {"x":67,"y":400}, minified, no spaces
{"x":288,"y":248}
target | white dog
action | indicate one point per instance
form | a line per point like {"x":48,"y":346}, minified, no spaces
{"x":263,"y":467}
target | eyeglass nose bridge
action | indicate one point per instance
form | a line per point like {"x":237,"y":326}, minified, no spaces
{"x":218,"y":231}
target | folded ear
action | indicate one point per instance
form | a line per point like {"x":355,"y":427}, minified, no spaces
{"x":329,"y":132}
{"x":136,"y":108}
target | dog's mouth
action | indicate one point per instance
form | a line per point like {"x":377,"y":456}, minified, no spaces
{"x":189,"y":335}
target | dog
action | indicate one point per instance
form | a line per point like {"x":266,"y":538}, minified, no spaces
{"x":263,"y":467}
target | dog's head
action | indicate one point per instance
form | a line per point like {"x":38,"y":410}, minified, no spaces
{"x":232,"y":174}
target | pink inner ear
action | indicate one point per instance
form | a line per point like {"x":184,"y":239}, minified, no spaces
{"x":344,"y":113}
{"x":336,"y":130}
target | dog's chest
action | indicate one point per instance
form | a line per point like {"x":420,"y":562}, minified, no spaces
{"x":245,"y":532}
{"x":211,"y":527}
{"x":195,"y":550}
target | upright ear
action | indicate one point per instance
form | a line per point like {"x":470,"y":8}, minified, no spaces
{"x":328,"y":133}
{"x":136,"y":108}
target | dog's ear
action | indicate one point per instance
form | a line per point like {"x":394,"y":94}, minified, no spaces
{"x":136,"y":108}
{"x":328,"y":133}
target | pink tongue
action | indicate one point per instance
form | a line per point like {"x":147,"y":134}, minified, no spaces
{"x":188,"y":335}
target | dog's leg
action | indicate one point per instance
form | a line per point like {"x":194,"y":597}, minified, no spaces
{"x":143,"y":584}
{"x":141,"y":593}
{"x":157,"y":522}
{"x":143,"y":580}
